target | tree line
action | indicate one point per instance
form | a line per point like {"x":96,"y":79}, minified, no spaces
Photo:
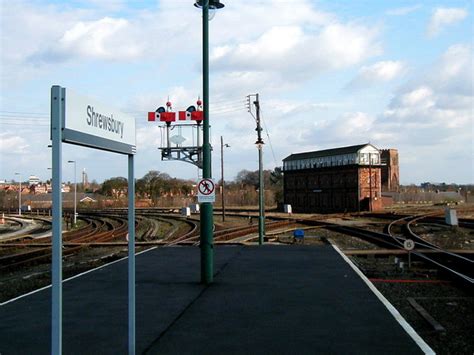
{"x":157,"y":187}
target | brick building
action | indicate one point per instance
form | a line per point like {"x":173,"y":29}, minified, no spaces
{"x":390,"y":170}
{"x":345,"y":179}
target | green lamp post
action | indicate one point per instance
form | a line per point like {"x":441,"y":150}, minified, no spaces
{"x":206,"y":217}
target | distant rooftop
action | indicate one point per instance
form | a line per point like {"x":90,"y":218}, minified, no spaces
{"x":327,"y":152}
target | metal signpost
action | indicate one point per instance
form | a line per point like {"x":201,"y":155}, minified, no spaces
{"x":206,"y":216}
{"x":206,"y":191}
{"x":409,"y":245}
{"x":83,"y":121}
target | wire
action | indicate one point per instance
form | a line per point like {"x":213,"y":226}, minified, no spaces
{"x":16,"y":122}
{"x":24,"y":113}
{"x":268,"y":136}
{"x":226,"y":101}
{"x":236,"y":109}
{"x":218,"y":108}
{"x":223,"y":113}
{"x":23,"y":119}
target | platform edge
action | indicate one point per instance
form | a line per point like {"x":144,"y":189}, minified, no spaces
{"x":398,"y":317}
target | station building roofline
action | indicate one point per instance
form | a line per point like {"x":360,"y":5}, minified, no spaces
{"x":328,"y":152}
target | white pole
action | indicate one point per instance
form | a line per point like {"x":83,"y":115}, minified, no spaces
{"x":75,"y":195}
{"x":131,"y":257}
{"x":19,"y":198}
{"x":75,"y":191}
{"x":19,"y":195}
{"x":57,"y":113}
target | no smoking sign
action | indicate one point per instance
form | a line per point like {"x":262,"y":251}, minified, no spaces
{"x":206,"y":191}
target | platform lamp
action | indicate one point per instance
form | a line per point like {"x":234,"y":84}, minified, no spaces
{"x":19,"y":195}
{"x":75,"y":191}
{"x":222,"y":177}
{"x":206,"y":217}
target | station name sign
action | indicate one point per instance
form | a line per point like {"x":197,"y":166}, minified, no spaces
{"x":108,"y":123}
{"x":94,"y":124}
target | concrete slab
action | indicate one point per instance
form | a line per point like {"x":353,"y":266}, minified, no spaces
{"x":265,"y":300}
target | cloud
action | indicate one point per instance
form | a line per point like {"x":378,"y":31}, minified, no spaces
{"x":93,"y":32}
{"x":379,"y":72}
{"x":115,"y":5}
{"x":453,"y":73}
{"x":346,"y":129}
{"x":136,"y":54}
{"x":304,"y":43}
{"x":252,"y":19}
{"x":429,"y":120}
{"x":436,"y":107}
{"x":106,"y":39}
{"x":401,"y":11}
{"x":12,"y":144}
{"x":443,"y":17}
{"x":291,"y":52}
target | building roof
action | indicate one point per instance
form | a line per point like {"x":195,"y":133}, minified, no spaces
{"x":327,"y":152}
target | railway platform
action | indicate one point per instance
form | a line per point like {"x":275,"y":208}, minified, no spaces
{"x":264,"y":300}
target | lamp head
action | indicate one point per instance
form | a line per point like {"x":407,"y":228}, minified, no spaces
{"x":213,"y":4}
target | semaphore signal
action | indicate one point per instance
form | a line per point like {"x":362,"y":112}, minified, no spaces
{"x":191,"y":117}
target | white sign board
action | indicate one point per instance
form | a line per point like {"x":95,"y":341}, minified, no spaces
{"x":409,"y":244}
{"x":206,"y":191}
{"x":90,"y":123}
{"x":451,"y":217}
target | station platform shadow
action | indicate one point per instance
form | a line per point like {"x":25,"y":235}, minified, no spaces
{"x":292,"y":299}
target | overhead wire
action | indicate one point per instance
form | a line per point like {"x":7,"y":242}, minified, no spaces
{"x":13,"y":118}
{"x":22,"y":118}
{"x":24,"y":113}
{"x":225,"y":112}
{"x":226,"y":101}
{"x":268,"y":136}
{"x":219,"y":107}
{"x":9,"y":118}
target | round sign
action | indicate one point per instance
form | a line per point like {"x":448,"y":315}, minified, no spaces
{"x":206,"y":186}
{"x":409,"y":244}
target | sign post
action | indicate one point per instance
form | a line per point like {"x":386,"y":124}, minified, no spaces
{"x":83,"y":121}
{"x":409,"y":245}
{"x":57,"y":116}
{"x":131,"y":256}
{"x":206,"y":191}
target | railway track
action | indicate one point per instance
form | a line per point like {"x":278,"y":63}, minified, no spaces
{"x":455,"y":264}
{"x":109,"y":228}
{"x":95,"y":230}
{"x":31,"y":227}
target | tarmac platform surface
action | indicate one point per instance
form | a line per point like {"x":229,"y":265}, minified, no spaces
{"x":264,"y":300}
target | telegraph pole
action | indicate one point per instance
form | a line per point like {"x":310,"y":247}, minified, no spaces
{"x":261,"y":190}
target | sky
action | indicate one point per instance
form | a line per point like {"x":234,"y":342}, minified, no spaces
{"x":397,"y":74}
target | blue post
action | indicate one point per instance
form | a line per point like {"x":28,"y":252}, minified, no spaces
{"x":58,"y":96}
{"x":131,"y":257}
